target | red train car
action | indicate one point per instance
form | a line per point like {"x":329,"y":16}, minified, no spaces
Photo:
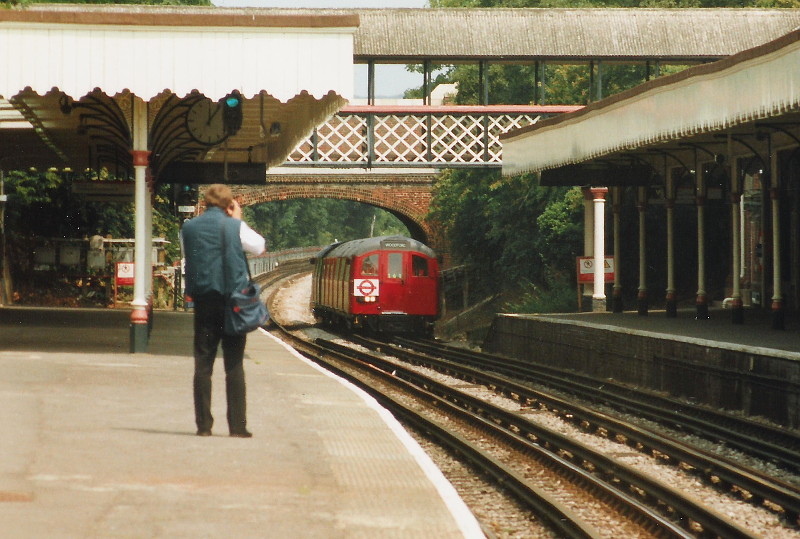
{"x":387,"y":284}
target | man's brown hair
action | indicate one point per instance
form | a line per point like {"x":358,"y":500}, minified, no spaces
{"x":218,"y":195}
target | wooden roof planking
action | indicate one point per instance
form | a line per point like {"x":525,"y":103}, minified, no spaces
{"x":543,"y":34}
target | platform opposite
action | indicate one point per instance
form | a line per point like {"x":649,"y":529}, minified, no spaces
{"x":104,"y":445}
{"x":749,"y":368}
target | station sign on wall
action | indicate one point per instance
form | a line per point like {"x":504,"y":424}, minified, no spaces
{"x":124,"y":274}
{"x":586,"y":269}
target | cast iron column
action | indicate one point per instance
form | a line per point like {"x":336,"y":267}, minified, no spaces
{"x":702,"y":296}
{"x":671,"y":300}
{"x":642,"y":296}
{"x":737,"y":307}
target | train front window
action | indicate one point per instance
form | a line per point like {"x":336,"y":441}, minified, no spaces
{"x":369,"y":265}
{"x":419,"y":266}
{"x":395,"y":270}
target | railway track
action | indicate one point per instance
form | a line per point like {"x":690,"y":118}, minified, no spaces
{"x":766,"y":442}
{"x":521,"y":451}
{"x":724,"y":474}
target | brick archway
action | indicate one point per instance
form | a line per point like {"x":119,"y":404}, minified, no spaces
{"x":405,"y":195}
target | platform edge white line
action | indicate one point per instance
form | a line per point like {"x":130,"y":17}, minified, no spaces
{"x":464,"y":518}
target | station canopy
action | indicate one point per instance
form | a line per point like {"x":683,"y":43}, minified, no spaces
{"x":615,"y":141}
{"x":72,"y":73}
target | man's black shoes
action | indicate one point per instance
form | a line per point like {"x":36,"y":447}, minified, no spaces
{"x":235,"y":434}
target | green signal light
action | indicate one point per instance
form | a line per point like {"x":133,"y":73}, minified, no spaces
{"x":232,"y":101}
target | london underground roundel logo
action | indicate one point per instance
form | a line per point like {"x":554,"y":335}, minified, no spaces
{"x":365,"y":287}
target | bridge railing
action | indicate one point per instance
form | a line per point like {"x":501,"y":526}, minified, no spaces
{"x":417,"y":136}
{"x":270,"y":260}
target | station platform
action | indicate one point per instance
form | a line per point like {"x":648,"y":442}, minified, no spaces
{"x":747,"y":367}
{"x":98,"y":442}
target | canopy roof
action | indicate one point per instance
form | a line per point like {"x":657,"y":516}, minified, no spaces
{"x":294,"y":71}
{"x":679,"y":35}
{"x":735,"y":96}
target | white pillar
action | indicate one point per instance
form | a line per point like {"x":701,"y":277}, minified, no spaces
{"x":142,"y":234}
{"x":599,"y":294}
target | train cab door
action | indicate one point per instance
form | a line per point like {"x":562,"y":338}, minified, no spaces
{"x":394,"y":297}
{"x":422,"y":287}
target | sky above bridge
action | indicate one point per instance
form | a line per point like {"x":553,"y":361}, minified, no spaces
{"x":390,"y":81}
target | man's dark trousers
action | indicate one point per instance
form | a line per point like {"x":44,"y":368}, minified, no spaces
{"x":208,"y":324}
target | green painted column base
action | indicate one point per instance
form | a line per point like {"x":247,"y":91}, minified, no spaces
{"x":139,"y":338}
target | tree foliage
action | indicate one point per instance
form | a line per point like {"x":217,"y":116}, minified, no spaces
{"x":520,"y":236}
{"x":512,"y":232}
{"x":316,"y":222}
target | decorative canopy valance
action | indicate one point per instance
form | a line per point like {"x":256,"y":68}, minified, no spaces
{"x":758,"y":83}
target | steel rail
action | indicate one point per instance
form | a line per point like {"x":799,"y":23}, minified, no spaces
{"x":713,"y":467}
{"x":560,"y":518}
{"x":541,"y":439}
{"x":747,"y":436}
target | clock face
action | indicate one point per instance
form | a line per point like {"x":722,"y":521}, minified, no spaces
{"x":204,"y":122}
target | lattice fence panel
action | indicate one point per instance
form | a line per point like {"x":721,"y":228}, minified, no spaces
{"x":342,"y":139}
{"x":454,"y":139}
{"x":400,"y":139}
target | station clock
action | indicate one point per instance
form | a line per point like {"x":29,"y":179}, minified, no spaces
{"x":205,"y":122}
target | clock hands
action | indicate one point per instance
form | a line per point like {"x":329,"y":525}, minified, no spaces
{"x":212,"y":113}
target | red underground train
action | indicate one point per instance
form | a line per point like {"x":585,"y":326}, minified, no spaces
{"x":387,"y":284}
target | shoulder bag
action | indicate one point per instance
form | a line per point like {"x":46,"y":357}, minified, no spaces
{"x":244,"y":310}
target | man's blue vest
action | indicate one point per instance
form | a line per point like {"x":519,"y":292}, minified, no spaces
{"x":202,"y":248}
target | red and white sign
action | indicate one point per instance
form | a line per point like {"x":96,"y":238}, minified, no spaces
{"x":586,"y":269}
{"x":125,"y":273}
{"x":365,"y":287}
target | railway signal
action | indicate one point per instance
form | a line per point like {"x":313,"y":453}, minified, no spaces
{"x":232,"y":112}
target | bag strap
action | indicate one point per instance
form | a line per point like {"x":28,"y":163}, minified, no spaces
{"x":224,"y":252}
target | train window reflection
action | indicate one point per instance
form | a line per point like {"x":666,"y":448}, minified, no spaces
{"x":369,"y":266}
{"x":395,"y":266}
{"x":419,"y":266}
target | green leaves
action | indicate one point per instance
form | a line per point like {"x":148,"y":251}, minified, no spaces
{"x":313,"y":222}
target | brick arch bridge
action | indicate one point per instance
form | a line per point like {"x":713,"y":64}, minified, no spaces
{"x":405,"y":195}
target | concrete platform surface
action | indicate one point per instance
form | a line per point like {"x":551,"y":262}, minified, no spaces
{"x":716,"y":331}
{"x":102,"y":444}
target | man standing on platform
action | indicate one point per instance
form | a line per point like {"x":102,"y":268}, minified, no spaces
{"x":214,"y":268}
